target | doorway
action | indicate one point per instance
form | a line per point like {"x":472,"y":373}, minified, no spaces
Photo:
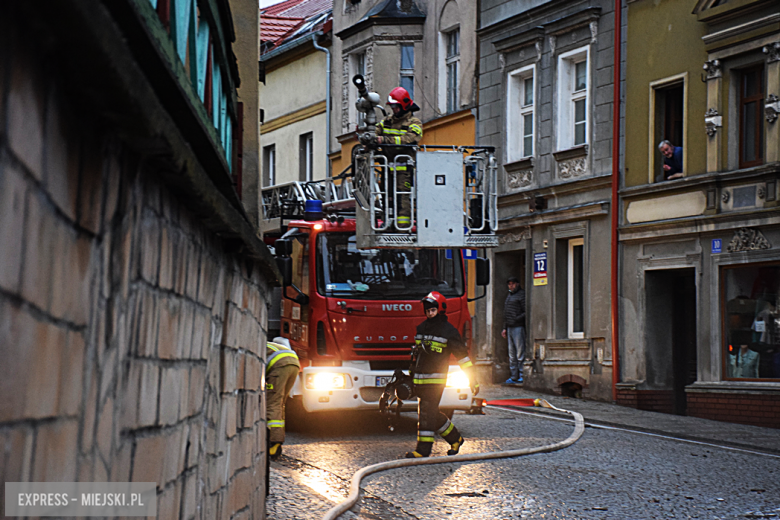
{"x":670,"y":346}
{"x":510,"y":263}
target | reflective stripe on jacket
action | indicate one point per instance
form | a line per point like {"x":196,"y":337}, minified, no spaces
{"x":278,"y":356}
{"x":406,"y":129}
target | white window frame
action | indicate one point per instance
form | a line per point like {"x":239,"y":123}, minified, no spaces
{"x":450,"y":104}
{"x":567,"y":97}
{"x":269,"y":161}
{"x":516,"y":111}
{"x":570,"y":292}
{"x":406,"y":73}
{"x":307,"y":140}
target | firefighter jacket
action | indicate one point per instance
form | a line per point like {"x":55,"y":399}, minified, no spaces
{"x":406,"y":129}
{"x":279,"y":356}
{"x":435,"y":341}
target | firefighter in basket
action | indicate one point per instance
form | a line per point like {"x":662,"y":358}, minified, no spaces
{"x":436,"y":339}
{"x":400,"y":128}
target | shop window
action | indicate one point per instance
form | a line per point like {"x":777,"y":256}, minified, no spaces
{"x":751,"y":115}
{"x":576,"y":288}
{"x":751,"y":321}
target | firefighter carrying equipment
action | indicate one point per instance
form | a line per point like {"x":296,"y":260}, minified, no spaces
{"x":354,"y":486}
{"x":282,"y":367}
{"x":436,"y":339}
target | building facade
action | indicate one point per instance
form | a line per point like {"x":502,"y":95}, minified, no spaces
{"x":295,"y":36}
{"x":425,"y":46}
{"x":700,"y":254}
{"x":545,"y":103}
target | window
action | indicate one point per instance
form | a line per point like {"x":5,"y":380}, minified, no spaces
{"x":576,"y":288}
{"x":306,"y":161}
{"x":521,"y":114}
{"x":751,"y":321}
{"x":269,"y":165}
{"x":751,"y":111}
{"x":668,"y":122}
{"x":407,"y":68}
{"x":573,"y":90}
{"x":452,"y":62}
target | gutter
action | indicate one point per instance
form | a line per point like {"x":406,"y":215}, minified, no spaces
{"x":615,"y":206}
{"x":327,"y":101}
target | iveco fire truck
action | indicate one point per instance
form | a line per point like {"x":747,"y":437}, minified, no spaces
{"x":353,"y":281}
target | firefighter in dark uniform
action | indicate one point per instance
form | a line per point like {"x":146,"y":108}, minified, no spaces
{"x":435,"y":341}
{"x":282,"y":367}
{"x":401,"y":128}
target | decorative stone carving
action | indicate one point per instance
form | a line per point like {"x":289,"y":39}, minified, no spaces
{"x":771,"y":108}
{"x":370,"y":68}
{"x":515,"y":237}
{"x":594,"y":31}
{"x":519,"y":179}
{"x":712,"y":121}
{"x":573,"y":168}
{"x":772,"y":51}
{"x":761,"y":192}
{"x":538,"y":46}
{"x":713,"y":69}
{"x":345,"y":84}
{"x":553,"y":41}
{"x":725,"y":196}
{"x":502,"y":60}
{"x":747,"y":239}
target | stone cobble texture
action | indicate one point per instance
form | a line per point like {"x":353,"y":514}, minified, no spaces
{"x":129,"y":338}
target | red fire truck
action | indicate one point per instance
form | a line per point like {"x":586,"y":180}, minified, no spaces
{"x":354,"y":278}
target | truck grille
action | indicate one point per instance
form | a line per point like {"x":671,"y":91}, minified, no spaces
{"x":380,"y":349}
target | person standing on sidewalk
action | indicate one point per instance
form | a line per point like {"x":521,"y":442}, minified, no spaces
{"x":514,"y":329}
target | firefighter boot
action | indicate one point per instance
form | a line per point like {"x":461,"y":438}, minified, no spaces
{"x":455,"y":447}
{"x":275,"y":451}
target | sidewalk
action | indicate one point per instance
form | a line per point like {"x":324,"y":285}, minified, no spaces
{"x":766,"y":440}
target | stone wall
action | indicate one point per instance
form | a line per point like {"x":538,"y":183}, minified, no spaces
{"x":130,"y":333}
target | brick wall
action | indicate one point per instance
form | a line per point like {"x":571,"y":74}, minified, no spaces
{"x":129,"y":338}
{"x":651,"y":400}
{"x":758,"y":410}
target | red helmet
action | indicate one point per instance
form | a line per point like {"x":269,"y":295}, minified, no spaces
{"x":399,"y":96}
{"x":435,"y":299}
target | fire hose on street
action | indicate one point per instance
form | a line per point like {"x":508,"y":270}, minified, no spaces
{"x":354,"y":491}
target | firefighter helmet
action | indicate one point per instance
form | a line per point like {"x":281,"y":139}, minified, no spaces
{"x":435,"y":299}
{"x":399,"y":96}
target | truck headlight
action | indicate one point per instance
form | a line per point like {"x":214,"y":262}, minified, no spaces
{"x":458,"y":379}
{"x":325,"y":381}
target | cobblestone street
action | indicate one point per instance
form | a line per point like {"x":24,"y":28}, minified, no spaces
{"x":609,"y":473}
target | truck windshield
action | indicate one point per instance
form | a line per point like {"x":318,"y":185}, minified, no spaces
{"x":344,"y":270}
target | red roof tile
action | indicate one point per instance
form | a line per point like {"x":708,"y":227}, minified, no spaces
{"x":273,"y":28}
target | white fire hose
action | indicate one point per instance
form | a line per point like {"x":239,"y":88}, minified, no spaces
{"x":354,"y":490}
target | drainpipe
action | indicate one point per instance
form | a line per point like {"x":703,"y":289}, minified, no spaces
{"x":615,"y":201}
{"x":327,"y":100}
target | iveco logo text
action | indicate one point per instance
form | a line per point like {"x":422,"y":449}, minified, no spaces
{"x":381,"y":338}
{"x":397,"y":307}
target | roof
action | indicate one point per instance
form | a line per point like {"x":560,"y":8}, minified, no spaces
{"x":298,"y":8}
{"x":290,"y":19}
{"x":388,"y":12}
{"x":274,"y":28}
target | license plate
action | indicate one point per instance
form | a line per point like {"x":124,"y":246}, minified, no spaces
{"x":383,"y":380}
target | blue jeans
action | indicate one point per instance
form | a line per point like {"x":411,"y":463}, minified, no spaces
{"x":516,"y":338}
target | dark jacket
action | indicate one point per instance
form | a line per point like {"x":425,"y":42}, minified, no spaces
{"x":436,"y":339}
{"x":675,"y":162}
{"x":514,"y":309}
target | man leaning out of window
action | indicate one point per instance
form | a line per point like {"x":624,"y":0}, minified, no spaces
{"x":673,"y":160}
